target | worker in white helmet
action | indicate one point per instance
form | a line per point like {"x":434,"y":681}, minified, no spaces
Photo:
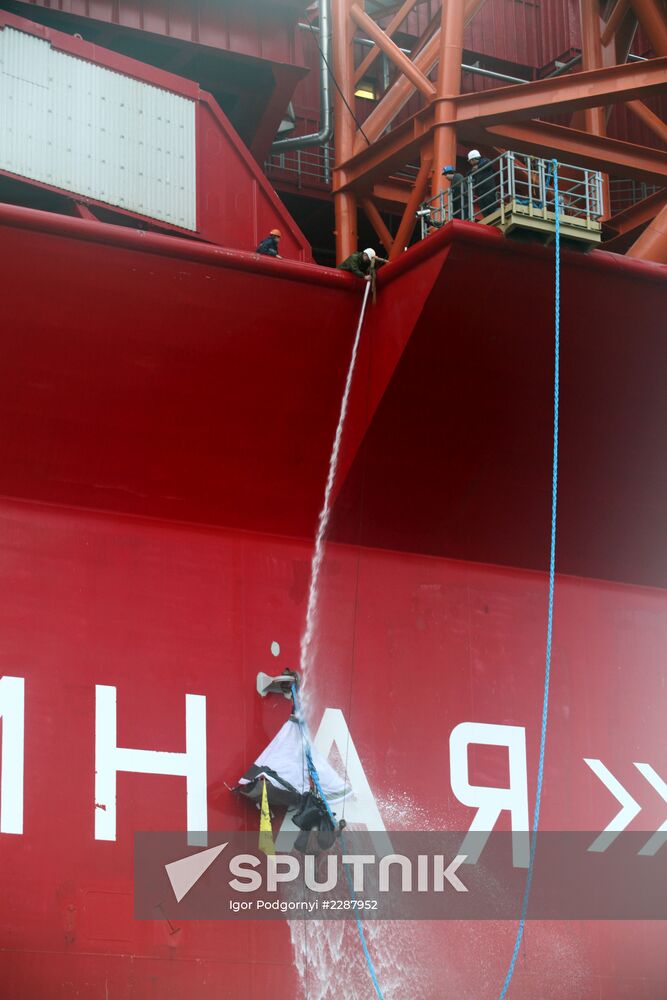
{"x":483,"y":182}
{"x":362,"y":263}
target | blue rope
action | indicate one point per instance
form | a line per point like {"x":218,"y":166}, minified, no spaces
{"x":312,"y":770}
{"x":550,"y":615}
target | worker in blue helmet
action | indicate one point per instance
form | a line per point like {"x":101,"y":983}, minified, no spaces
{"x":457,"y":193}
{"x":484,"y":182}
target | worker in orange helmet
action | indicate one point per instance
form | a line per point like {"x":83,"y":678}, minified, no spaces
{"x":269,"y":245}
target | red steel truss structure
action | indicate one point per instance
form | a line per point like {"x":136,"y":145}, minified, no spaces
{"x":517,"y":116}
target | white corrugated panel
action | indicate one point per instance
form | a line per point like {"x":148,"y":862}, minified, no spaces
{"x":96,"y":133}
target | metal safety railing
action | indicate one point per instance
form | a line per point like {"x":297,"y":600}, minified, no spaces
{"x":515,"y":184}
{"x":626,"y":192}
{"x":311,"y":166}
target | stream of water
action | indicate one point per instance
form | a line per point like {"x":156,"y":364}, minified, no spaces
{"x":318,"y":948}
{"x":308,"y":636}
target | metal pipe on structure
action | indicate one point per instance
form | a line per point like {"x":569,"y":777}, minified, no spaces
{"x":563,"y":68}
{"x":492,"y":75}
{"x":449,"y":87}
{"x":326,"y":124}
{"x":345,"y":203}
{"x":652,"y":244}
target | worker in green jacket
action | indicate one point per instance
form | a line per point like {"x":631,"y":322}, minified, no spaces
{"x":362,"y":263}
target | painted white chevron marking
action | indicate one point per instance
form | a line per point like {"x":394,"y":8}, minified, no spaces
{"x":185,"y":872}
{"x":629,"y":808}
{"x":654,"y":843}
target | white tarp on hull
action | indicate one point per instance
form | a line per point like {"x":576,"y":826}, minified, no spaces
{"x":285,"y":756}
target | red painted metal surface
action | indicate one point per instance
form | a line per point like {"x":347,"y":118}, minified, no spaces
{"x":652,"y":244}
{"x":255,"y":27}
{"x":194,"y":436}
{"x":560,"y":29}
{"x":624,"y":124}
{"x":210,"y":444}
{"x":471,"y":402}
{"x":508,"y":31}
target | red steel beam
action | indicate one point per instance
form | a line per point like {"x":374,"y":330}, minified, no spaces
{"x":392,"y":193}
{"x":345,"y":206}
{"x":652,"y":244}
{"x":652,"y":19}
{"x":378,"y":224}
{"x":625,"y":36}
{"x":525,"y":100}
{"x":391,"y":152}
{"x":595,"y":119}
{"x":615,"y":157}
{"x":449,"y":87}
{"x":402,"y":90}
{"x":409,"y":219}
{"x":372,"y":55}
{"x":430,"y":28}
{"x":591,"y":58}
{"x":614,"y":21}
{"x":83,"y":212}
{"x":638,"y":215}
{"x":392,"y":51}
{"x":649,"y":118}
{"x":623,"y":159}
{"x":398,"y":95}
{"x":564,"y":93}
{"x":471,"y":8}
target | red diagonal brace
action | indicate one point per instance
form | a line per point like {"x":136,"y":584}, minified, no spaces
{"x":390,"y":49}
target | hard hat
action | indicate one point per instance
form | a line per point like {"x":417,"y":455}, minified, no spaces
{"x":474,"y":154}
{"x":370,"y":253}
{"x":449,"y":169}
{"x":276,"y":232}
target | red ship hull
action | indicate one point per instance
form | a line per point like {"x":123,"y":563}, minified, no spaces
{"x":162,"y":464}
